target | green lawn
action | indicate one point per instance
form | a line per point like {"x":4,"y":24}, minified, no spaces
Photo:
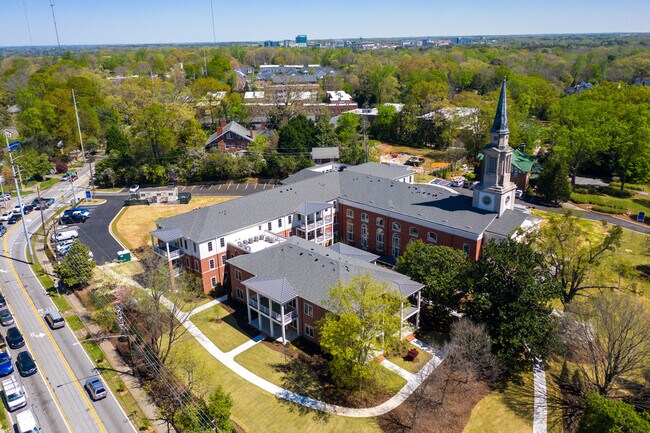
{"x":264,"y":362}
{"x":128,"y":269}
{"x":256,"y":410}
{"x":506,"y":410}
{"x":226,"y":334}
{"x":423,"y":178}
{"x":635,"y":204}
{"x":74,"y":322}
{"x":44,"y":278}
{"x":48,"y":183}
{"x":413,"y":367}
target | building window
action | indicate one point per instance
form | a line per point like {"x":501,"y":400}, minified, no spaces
{"x":210,"y":248}
{"x":350,"y":231}
{"x":237,"y":275}
{"x":364,"y":217}
{"x":279,"y":222}
{"x":396,"y":227}
{"x":432,"y":237}
{"x":396,"y":247}
{"x":196,"y":265}
{"x":222,"y":242}
{"x":270,"y":226}
{"x":466,"y":249}
{"x":309,"y":310}
{"x":213,"y":281}
{"x":185,"y":243}
{"x":229,"y":136}
{"x":413,"y":231}
{"x":364,"y":236}
{"x":349,"y":213}
{"x":508,"y":163}
{"x":379,"y":246}
{"x":211,"y":263}
{"x":188,"y":262}
{"x":379,"y":222}
{"x":240,"y":293}
{"x":492,"y":165}
{"x":194,"y":246}
{"x":292,"y":303}
{"x":289,"y":220}
{"x":309,"y":331}
{"x":223,"y":259}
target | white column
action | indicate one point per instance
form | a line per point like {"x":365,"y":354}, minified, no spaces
{"x":153,"y":245}
{"x":248,"y":307}
{"x":168,"y":253}
{"x":284,"y":334}
{"x":417,"y":317}
{"x":401,"y":319}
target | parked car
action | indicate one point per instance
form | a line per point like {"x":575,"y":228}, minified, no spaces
{"x":15,"y":339}
{"x":3,"y":230}
{"x":64,"y":251}
{"x":65,"y":177}
{"x":95,"y":388}
{"x":3,"y":301}
{"x":49,"y":201}
{"x":81,"y":211}
{"x":6,"y":215}
{"x":64,"y":244}
{"x":14,"y":394}
{"x":15,"y":218}
{"x":519,"y":193}
{"x":26,"y":422}
{"x":25,"y":364}
{"x":28,"y":209}
{"x":134,"y":189}
{"x":6,"y":318}
{"x":72,"y":219}
{"x":65,"y":235}
{"x":6,"y":196}
{"x":16,"y":209}
{"x":6,"y":367}
{"x":55,"y":320}
{"x":457,"y":182}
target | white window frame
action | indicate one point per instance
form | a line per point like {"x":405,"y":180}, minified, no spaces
{"x":222,"y":242}
{"x":364,"y":236}
{"x":213,"y":281}
{"x":309,"y":330}
{"x":211,"y":262}
{"x":308,"y":309}
{"x":223,"y":259}
{"x":240,"y":293}
{"x":349,"y":213}
{"x":379,"y":244}
{"x":466,"y":249}
{"x":350,"y":231}
{"x":210,"y":247}
{"x":432,"y":237}
{"x":237,"y":275}
{"x":196,"y":265}
{"x":279,"y":222}
{"x":379,"y":222}
{"x":396,"y":245}
{"x":364,"y":217}
{"x":270,"y":225}
{"x":397,"y":227}
{"x":413,"y":231}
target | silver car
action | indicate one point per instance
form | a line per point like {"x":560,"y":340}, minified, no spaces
{"x":95,"y":388}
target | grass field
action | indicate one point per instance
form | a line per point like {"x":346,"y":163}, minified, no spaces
{"x":634,"y":204}
{"x":134,"y":223}
{"x":423,"y":178}
{"x":226,"y":334}
{"x":74,"y":322}
{"x":256,"y":410}
{"x":413,"y":367}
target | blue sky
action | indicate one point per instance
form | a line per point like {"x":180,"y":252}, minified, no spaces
{"x":147,"y":21}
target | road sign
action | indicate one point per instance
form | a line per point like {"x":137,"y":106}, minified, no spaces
{"x":89,"y":195}
{"x":641,"y":217}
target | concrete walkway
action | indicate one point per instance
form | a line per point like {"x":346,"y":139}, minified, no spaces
{"x":397,"y":369}
{"x":539,"y":404}
{"x":244,"y":347}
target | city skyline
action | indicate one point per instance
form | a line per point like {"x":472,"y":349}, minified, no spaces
{"x":147,"y":22}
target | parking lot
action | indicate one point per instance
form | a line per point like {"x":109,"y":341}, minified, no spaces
{"x":228,"y":188}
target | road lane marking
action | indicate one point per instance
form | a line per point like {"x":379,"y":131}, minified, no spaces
{"x":85,"y":397}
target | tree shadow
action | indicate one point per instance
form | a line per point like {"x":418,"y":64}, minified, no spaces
{"x":642,"y":201}
{"x":518,"y":396}
{"x":300,"y":378}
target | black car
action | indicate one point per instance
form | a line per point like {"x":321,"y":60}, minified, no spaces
{"x":25,"y":364}
{"x":15,"y":338}
{"x":3,"y":230}
{"x":14,"y":218}
{"x":3,"y":301}
{"x":73,"y":219}
{"x":28,"y":209}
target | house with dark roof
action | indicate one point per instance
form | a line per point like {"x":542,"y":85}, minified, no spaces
{"x":284,"y":288}
{"x":523,"y":166}
{"x":373,"y":208}
{"x":231,"y":137}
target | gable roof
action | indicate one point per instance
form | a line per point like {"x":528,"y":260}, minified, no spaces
{"x":278,"y":289}
{"x":233,"y":127}
{"x":523,"y":161}
{"x":311,"y":269}
{"x":350,"y":251}
{"x":325,"y":153}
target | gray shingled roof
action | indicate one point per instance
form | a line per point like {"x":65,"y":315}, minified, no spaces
{"x":167,"y":235}
{"x":233,"y":127}
{"x":350,"y":251}
{"x":312,"y":269}
{"x":501,"y":117}
{"x":310,"y":207}
{"x":303,"y":174}
{"x":325,"y":153}
{"x":209,"y":222}
{"x":278,"y":289}
{"x":506,"y":225}
{"x":381,"y":170}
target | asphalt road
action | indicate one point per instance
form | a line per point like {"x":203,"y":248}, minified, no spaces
{"x":94,"y":232}
{"x":56,"y":393}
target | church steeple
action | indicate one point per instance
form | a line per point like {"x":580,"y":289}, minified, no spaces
{"x":500,"y":124}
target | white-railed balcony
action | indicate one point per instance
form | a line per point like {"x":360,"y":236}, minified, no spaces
{"x":288,"y":317}
{"x":252,"y":303}
{"x":174,"y":252}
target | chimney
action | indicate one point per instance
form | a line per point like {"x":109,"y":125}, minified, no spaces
{"x":251,"y":133}
{"x":522,"y":147}
{"x":219,"y":130}
{"x":222,"y":122}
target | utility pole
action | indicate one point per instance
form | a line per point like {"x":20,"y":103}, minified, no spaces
{"x":2,"y":187}
{"x":20,"y":202}
{"x":81,"y":141}
{"x":40,"y":206}
{"x":214,"y":35}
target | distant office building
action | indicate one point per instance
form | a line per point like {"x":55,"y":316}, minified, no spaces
{"x":301,"y":41}
{"x":464,"y":41}
{"x":271,"y":43}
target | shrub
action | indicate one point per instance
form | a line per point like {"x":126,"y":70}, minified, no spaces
{"x":615,"y":192}
{"x":61,"y":167}
{"x":411,"y":354}
{"x":609,"y":209}
{"x":470,"y":176}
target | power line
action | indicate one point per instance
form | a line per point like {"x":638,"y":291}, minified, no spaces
{"x":214,"y":34}
{"x":56,"y":29}
{"x":29,"y":30}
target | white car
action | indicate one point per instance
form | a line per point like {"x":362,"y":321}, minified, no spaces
{"x":458,"y":182}
{"x":64,"y":245}
{"x":14,"y":393}
{"x":6,"y":197}
{"x":16,"y":209}
{"x":6,"y":215}
{"x":134,"y":189}
{"x":519,"y":193}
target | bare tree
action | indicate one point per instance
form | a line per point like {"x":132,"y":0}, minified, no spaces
{"x":612,"y":333}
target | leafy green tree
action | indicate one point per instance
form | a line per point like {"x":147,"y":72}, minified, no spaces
{"x":553,"y":183}
{"x":509,"y":292}
{"x":218,"y":67}
{"x":364,"y":316}
{"x":324,"y":134}
{"x":442,"y":270}
{"x":211,"y":415}
{"x":76,"y":268}
{"x":572,"y":256}
{"x":297,"y":136}
{"x":116,"y":139}
{"x":406,"y":125}
{"x":606,"y":416}
{"x":384,"y":125}
{"x":34,"y":165}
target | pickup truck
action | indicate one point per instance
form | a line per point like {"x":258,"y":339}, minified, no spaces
{"x":14,"y":393}
{"x":26,"y":422}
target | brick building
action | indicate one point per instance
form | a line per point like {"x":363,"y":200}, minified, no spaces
{"x":231,"y":137}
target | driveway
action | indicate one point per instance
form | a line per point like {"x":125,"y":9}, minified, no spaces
{"x":94,"y":232}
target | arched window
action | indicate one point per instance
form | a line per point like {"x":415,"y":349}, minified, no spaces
{"x":379,"y":222}
{"x":396,"y":246}
{"x":350,"y":231}
{"x":379,"y":246}
{"x":364,"y":236}
{"x":396,"y":227}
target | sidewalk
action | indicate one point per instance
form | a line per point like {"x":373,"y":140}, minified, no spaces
{"x":132,"y":384}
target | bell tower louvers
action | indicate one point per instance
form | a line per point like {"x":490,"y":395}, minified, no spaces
{"x":496,"y":192}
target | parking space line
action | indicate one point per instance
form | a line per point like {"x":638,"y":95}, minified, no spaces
{"x":211,"y":186}
{"x":220,"y":185}
{"x":193,"y":187}
{"x":246,"y":187}
{"x":202,"y":186}
{"x":264,"y":186}
{"x":237,"y":187}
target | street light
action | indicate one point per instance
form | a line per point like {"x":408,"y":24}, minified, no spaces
{"x":10,"y":147}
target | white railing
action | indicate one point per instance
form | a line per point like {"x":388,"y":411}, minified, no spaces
{"x":264,"y":309}
{"x":174,"y":252}
{"x":252,"y":303}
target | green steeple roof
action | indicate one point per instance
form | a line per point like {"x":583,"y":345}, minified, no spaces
{"x":501,"y":117}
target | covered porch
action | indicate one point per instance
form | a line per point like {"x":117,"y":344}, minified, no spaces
{"x":315,"y":222}
{"x":166,"y":243}
{"x":271,"y":307}
{"x":410,"y":308}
